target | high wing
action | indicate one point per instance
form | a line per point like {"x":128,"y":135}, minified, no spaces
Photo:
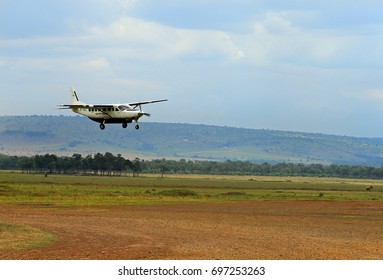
{"x":77,"y":106}
{"x":135,"y":104}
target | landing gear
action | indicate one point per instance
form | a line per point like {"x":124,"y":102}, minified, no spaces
{"x":102,"y":126}
{"x":137,"y":126}
{"x":124,"y":125}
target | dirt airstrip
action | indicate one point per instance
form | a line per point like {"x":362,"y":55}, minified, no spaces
{"x":228,"y":230}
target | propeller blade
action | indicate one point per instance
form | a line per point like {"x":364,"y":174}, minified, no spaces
{"x":144,"y":114}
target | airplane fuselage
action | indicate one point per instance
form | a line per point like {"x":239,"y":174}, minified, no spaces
{"x":110,"y":114}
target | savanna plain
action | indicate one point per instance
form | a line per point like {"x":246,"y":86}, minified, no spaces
{"x":64,"y":217}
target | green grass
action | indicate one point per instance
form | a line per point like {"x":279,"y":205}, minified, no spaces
{"x":242,"y":153}
{"x":177,"y":193}
{"x":18,"y":237}
{"x":59,"y":190}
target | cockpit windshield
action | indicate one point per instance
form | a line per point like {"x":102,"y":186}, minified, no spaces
{"x":124,"y":108}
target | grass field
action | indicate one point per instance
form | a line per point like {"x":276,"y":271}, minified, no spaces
{"x":16,"y":237}
{"x":59,"y":190}
{"x":188,"y":217}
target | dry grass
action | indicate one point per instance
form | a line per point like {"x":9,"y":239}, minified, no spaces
{"x":221,"y":230}
{"x":16,"y":237}
{"x":189,"y":217}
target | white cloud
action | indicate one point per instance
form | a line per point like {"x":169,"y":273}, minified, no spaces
{"x":138,"y":39}
{"x":92,"y":64}
{"x":374,"y":94}
{"x":276,"y":39}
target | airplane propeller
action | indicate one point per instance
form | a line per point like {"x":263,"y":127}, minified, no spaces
{"x":144,"y":114}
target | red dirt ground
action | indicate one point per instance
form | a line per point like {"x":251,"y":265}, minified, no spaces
{"x":231,"y":230}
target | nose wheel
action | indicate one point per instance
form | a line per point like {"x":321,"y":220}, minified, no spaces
{"x":102,"y":126}
{"x":124,"y":125}
{"x":137,"y":126}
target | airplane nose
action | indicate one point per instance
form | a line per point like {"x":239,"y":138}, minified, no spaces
{"x":142,"y":113}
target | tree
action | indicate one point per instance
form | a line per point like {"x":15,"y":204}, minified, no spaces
{"x":119,"y":164}
{"x":77,"y":162}
{"x":164,"y":167}
{"x":26,"y":164}
{"x":136,"y":167}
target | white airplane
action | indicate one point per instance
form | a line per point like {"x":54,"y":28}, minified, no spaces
{"x":109,"y":113}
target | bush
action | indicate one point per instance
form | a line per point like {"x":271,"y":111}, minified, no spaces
{"x":177,"y":192}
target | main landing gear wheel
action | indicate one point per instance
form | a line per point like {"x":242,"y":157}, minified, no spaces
{"x":124,"y":125}
{"x":102,"y":126}
{"x":137,"y":126}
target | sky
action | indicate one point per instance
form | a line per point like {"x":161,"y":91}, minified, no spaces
{"x":309,"y":66}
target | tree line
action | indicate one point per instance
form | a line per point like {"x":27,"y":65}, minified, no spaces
{"x":117,"y":165}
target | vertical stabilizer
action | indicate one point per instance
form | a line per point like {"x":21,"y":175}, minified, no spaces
{"x":74,"y":97}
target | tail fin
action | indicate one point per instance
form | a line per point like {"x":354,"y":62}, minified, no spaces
{"x":74,"y":97}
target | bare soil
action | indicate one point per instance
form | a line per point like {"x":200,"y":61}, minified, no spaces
{"x":230,"y":230}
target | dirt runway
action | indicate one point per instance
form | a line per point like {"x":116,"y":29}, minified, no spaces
{"x":231,"y":230}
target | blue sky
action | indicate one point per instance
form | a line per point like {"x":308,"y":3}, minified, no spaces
{"x":312,"y":66}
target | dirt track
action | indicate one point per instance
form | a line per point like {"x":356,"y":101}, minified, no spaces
{"x":232,"y":230}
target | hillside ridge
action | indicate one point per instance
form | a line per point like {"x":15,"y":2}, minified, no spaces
{"x":26,"y":135}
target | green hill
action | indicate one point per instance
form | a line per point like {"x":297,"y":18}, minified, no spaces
{"x":26,"y":135}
